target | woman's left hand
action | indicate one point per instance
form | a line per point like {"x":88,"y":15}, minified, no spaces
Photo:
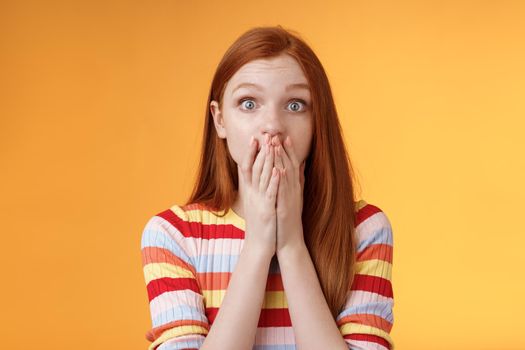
{"x":289,"y":197}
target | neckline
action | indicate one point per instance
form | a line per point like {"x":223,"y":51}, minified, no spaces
{"x":231,"y":217}
{"x":231,"y":213}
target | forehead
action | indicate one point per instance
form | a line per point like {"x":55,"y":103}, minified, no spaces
{"x":276,"y":70}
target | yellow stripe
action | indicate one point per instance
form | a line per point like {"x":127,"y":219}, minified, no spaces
{"x":351,"y":328}
{"x":213,"y":298}
{"x":275,"y":300}
{"x":375,"y":267}
{"x":272,"y":300}
{"x":179,"y":212}
{"x":207,"y":217}
{"x":176,"y":332}
{"x":158,"y":270}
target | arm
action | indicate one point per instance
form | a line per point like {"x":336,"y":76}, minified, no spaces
{"x":313,"y":324}
{"x":367,"y":318}
{"x":236,"y":323}
{"x":175,"y":298}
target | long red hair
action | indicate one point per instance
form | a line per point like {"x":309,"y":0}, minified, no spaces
{"x":329,"y":205}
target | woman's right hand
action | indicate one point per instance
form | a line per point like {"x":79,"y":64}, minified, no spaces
{"x":259,"y":181}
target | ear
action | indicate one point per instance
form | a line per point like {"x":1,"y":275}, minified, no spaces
{"x":218,"y":120}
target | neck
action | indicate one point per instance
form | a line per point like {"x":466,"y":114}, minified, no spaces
{"x":237,"y":205}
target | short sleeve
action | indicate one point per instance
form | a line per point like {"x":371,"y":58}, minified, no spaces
{"x":175,"y":298}
{"x":367,"y":317}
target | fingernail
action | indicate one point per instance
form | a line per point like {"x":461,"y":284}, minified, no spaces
{"x":288,"y":141}
{"x":252,"y":139}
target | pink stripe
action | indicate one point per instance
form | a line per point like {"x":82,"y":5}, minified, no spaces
{"x":274,"y":335}
{"x":359,"y":297}
{"x":218,"y":246}
{"x":169,"y":300}
{"x":364,"y":345}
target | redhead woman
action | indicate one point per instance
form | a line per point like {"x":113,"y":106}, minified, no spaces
{"x":272,"y":250}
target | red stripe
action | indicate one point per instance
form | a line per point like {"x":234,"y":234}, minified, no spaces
{"x":199,"y":230}
{"x":373,"y":284}
{"x":211,"y":314}
{"x":370,"y":338}
{"x":365,"y":212}
{"x":268,"y":317}
{"x":167,"y":284}
{"x":275,"y":318}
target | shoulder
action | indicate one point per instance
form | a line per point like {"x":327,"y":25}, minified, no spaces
{"x":181,"y":220}
{"x":372,"y":225}
{"x":175,"y":229}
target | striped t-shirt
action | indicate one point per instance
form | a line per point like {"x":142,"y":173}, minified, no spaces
{"x":189,"y":255}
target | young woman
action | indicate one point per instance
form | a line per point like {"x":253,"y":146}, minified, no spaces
{"x":271,"y":251}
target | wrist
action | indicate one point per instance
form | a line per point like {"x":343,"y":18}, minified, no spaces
{"x":292,"y":251}
{"x":258,"y":251}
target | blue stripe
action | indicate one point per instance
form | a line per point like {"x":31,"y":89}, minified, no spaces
{"x":381,"y":309}
{"x":225,"y":263}
{"x":183,"y":344}
{"x":181,"y":312}
{"x":382,"y":236}
{"x":154,"y":235}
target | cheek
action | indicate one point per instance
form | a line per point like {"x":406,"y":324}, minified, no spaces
{"x":238,"y":148}
{"x":237,"y":138}
{"x":303,"y":144}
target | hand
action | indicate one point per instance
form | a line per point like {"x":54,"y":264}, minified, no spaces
{"x":259,"y":182}
{"x":289,"y":196}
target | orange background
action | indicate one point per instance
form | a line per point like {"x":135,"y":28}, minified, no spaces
{"x":102,"y":106}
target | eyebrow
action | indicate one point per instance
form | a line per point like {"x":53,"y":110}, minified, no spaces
{"x":289,"y":87}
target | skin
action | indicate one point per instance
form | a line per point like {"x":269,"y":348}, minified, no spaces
{"x":271,"y":114}
{"x":270,"y":199}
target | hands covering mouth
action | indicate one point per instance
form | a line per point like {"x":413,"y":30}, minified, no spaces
{"x":267,"y":139}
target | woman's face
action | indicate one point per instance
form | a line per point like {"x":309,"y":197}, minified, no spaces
{"x":265,"y":96}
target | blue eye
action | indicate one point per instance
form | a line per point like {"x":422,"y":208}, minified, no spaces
{"x":294,"y":102}
{"x":250,"y":104}
{"x":247,"y":100}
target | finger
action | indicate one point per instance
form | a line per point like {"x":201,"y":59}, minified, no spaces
{"x":246,"y":167}
{"x":258,"y":164}
{"x":278,"y":161}
{"x":284,"y":160}
{"x":271,"y":191}
{"x":290,"y":151}
{"x":281,"y":166}
{"x":267,"y":169}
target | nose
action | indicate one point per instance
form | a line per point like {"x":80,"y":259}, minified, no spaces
{"x":272,"y":126}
